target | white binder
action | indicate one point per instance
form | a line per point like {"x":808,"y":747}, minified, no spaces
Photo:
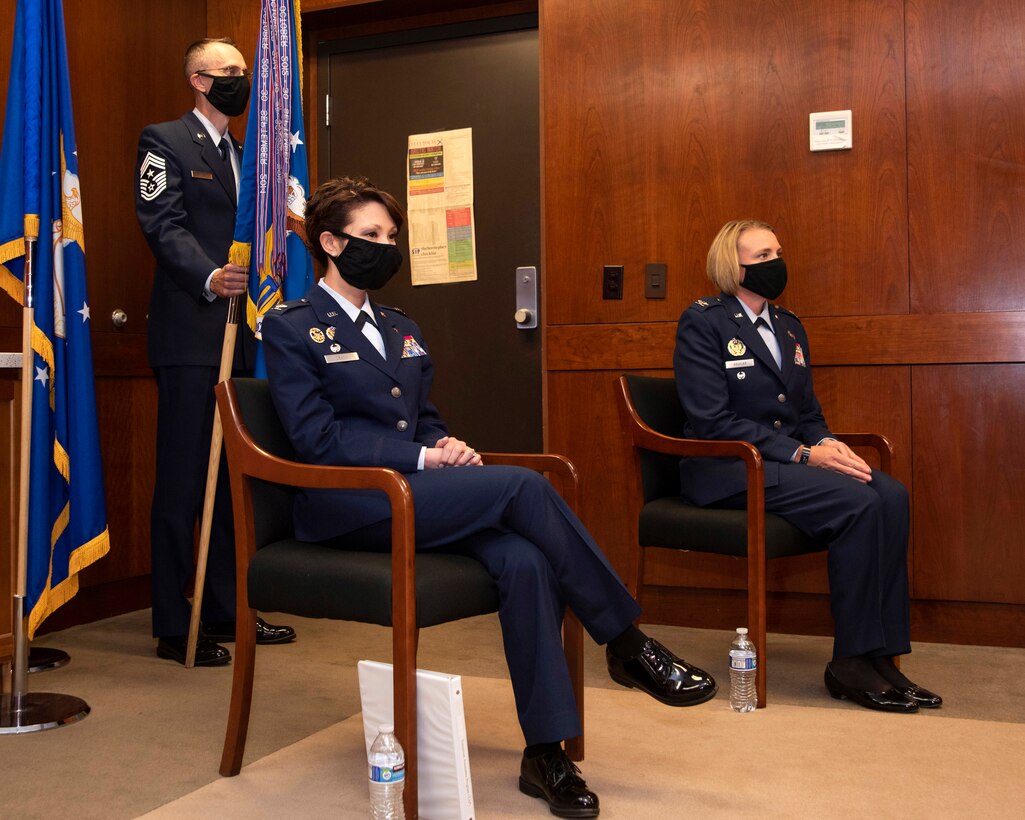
{"x":443,"y":759}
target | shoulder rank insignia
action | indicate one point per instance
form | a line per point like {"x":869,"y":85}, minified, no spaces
{"x":400,"y":311}
{"x":736,"y":347}
{"x":152,"y":176}
{"x":283,"y":306}
{"x":702,"y":304}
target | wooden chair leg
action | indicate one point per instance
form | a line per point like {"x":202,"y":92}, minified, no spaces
{"x":404,"y":693}
{"x":573,"y":646}
{"x":241,"y":696}
{"x":757,"y":620}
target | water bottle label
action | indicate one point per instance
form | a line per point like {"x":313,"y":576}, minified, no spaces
{"x":387,"y":774}
{"x":743,"y":662}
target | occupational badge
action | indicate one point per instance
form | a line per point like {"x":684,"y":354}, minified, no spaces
{"x":410,"y":348}
{"x":799,"y":356}
{"x":741,"y":376}
{"x":317,"y":335}
{"x":335,"y":347}
{"x":330,"y":332}
{"x":736,"y":347}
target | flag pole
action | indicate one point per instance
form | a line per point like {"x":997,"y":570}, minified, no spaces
{"x":212,"y":469}
{"x":20,"y":711}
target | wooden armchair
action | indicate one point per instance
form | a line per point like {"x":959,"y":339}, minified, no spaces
{"x":651,"y":421}
{"x":277,"y":573}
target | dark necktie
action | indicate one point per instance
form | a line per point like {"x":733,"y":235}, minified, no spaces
{"x":222,"y":146}
{"x":364,"y":318}
{"x":773,"y":349}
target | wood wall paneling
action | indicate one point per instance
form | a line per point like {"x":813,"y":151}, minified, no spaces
{"x":125,"y":73}
{"x":664,"y":120}
{"x":966,"y":154}
{"x":969,"y":482}
{"x":964,"y":338}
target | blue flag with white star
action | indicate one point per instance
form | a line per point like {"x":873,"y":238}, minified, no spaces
{"x":270,"y":226}
{"x":40,"y":198}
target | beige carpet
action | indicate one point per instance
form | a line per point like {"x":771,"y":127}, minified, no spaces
{"x":156,"y":729}
{"x":646,"y":760}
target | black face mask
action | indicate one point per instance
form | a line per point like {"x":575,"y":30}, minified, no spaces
{"x":367,"y":265}
{"x":768,"y":278}
{"x":228,"y":95}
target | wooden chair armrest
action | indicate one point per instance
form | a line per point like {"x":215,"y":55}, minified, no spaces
{"x":878,"y":442}
{"x":647,"y":439}
{"x":552,"y":463}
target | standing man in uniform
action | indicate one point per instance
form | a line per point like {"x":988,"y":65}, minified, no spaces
{"x":185,"y":200}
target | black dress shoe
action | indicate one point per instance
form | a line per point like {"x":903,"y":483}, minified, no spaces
{"x":662,"y":675}
{"x":890,"y":700}
{"x":208,"y":653}
{"x":923,"y":697}
{"x":265,"y":632}
{"x":555,"y":779}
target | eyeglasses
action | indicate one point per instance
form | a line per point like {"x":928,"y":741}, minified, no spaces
{"x":229,"y":71}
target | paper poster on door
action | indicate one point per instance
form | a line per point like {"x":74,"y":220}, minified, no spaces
{"x":439,"y":193}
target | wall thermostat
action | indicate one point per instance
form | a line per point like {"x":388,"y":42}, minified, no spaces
{"x":830,"y":131}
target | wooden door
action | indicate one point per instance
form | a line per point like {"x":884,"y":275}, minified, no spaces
{"x":483,"y":76}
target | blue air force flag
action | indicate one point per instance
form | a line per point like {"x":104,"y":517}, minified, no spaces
{"x":40,"y":198}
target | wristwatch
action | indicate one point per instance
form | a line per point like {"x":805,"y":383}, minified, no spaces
{"x":805,"y":454}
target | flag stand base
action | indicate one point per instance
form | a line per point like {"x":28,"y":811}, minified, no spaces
{"x":43,"y":658}
{"x":38,"y":711}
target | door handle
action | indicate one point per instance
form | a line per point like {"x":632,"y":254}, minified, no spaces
{"x":119,"y":318}
{"x":526,"y":298}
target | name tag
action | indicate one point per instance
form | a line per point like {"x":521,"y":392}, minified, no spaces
{"x":202,"y":175}
{"x":733,"y":365}
{"x":331,"y":358}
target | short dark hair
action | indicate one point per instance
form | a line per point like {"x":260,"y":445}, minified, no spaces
{"x":193,"y":52}
{"x":332,"y":203}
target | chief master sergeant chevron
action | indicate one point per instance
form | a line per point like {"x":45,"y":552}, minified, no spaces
{"x":185,"y":197}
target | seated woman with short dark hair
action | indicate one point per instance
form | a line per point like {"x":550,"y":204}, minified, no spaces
{"x":351,"y":380}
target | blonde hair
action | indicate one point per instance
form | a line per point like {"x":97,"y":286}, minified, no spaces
{"x":723,"y":265}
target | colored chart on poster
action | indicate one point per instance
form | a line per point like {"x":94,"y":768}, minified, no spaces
{"x":439,"y":189}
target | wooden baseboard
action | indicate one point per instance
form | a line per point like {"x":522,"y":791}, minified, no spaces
{"x":957,"y":622}
{"x":94,"y":603}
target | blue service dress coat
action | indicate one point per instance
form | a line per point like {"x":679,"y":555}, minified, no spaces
{"x":185,"y":205}
{"x":341,"y":403}
{"x":731,"y":388}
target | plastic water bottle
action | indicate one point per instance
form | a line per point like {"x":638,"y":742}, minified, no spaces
{"x":743,"y":668}
{"x":386,"y":768}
